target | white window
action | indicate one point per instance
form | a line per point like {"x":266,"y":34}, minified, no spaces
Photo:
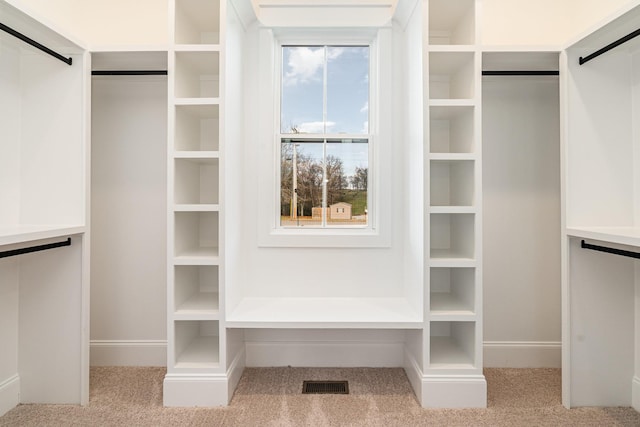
{"x":325,"y":143}
{"x":319,"y":112}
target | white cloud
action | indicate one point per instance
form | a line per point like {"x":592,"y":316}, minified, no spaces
{"x":365,"y":127}
{"x":315,"y":127}
{"x":306,"y":62}
{"x":365,"y":108}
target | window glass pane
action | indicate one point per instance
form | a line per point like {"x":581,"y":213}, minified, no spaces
{"x":348,"y":89}
{"x":301,"y":169}
{"x":347,"y":182}
{"x":301,"y":108}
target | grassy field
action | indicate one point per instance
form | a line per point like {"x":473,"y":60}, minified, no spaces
{"x":358,"y":200}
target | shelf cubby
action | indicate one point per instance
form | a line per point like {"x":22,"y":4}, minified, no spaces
{"x":196,"y":181}
{"x":452,"y":345}
{"x":196,"y":291}
{"x":197,"y":22}
{"x":196,"y":344}
{"x":452,"y":235}
{"x":197,"y":74}
{"x":452,"y":183}
{"x":451,"y":22}
{"x":452,"y":290}
{"x":197,"y":128}
{"x":451,"y":129}
{"x":196,"y":235}
{"x":451,"y":75}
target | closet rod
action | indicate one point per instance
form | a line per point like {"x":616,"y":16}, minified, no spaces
{"x":522,"y":73}
{"x":610,"y":250}
{"x":28,"y":250}
{"x":35,"y":44}
{"x":129,"y":73}
{"x":610,"y":46}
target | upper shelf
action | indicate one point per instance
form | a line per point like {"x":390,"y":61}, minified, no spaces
{"x":29,"y":233}
{"x":377,"y":313}
{"x":16,"y":16}
{"x":621,"y":235}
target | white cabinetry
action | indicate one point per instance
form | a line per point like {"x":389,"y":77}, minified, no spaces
{"x":44,"y":302}
{"x":196,"y":369}
{"x":602,"y":206}
{"x":454,"y":212}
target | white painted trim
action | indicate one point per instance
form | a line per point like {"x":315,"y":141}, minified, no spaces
{"x":9,"y":394}
{"x":196,"y":390}
{"x":445,"y":391}
{"x":128,"y":353}
{"x":414,"y":374}
{"x":454,"y":391}
{"x":497,"y":354}
{"x":342,"y":354}
{"x":635,"y":393}
{"x":236,"y":368}
{"x":522,"y":354}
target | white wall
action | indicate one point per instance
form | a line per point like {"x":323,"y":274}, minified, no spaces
{"x":128,"y":221}
{"x":521,"y":198}
{"x":505,"y":22}
{"x":542,"y":22}
{"x":108,"y":22}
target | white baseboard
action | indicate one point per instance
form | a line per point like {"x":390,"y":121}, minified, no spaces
{"x":128,"y":353}
{"x":446,"y":391}
{"x":635,"y":393}
{"x":455,"y":391}
{"x":9,"y":394}
{"x":325,"y":354}
{"x":196,"y":390}
{"x":497,"y":354}
{"x":522,"y":354}
{"x":234,"y":373}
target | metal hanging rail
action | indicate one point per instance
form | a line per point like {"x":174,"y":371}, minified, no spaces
{"x":610,"y":46}
{"x":28,"y":250}
{"x":522,"y":73}
{"x":35,"y":44}
{"x":129,"y":73}
{"x":610,"y":250}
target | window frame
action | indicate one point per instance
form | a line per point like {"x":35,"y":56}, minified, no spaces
{"x":377,"y":232}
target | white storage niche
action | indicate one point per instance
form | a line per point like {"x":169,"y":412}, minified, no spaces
{"x":451,"y":129}
{"x":196,"y":181}
{"x":452,"y":345}
{"x":197,"y":344}
{"x":452,"y":183}
{"x":197,"y":22}
{"x":196,"y":290}
{"x":451,"y":22}
{"x":197,"y":128}
{"x":197,"y":74}
{"x":196,"y":235}
{"x":452,"y":235}
{"x":451,"y":75}
{"x":128,"y":203}
{"x":452,"y":290}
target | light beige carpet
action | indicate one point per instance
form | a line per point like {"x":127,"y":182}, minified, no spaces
{"x":272,"y":397}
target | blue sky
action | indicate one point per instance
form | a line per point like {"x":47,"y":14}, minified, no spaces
{"x":347,"y":106}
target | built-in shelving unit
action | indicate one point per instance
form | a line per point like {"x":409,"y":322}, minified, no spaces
{"x":195,"y":334}
{"x":43,"y":202}
{"x":602,"y":206}
{"x":454,"y":312}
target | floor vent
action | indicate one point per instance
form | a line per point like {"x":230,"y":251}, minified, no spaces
{"x":325,"y":387}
